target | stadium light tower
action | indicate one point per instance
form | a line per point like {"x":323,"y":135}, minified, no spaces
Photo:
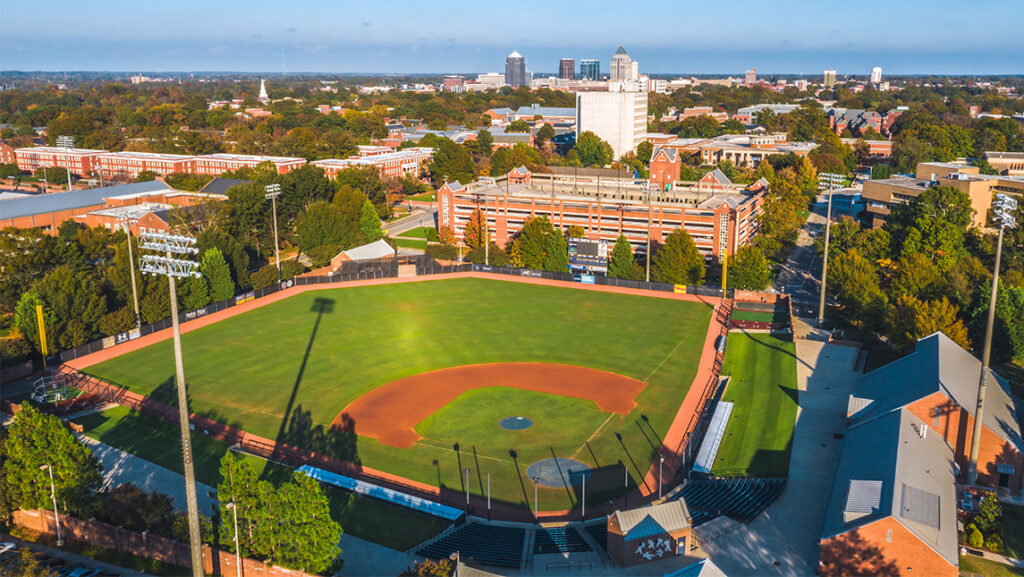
{"x":1003,"y":207}
{"x":826,"y":181}
{"x":128,"y":218}
{"x":173,"y":268}
{"x":273,"y":191}
{"x":67,"y":143}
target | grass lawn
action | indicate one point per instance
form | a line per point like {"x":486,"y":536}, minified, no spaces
{"x":1013,"y":371}
{"x":410,"y":243}
{"x":421,"y":232}
{"x":969,"y":564}
{"x":1013,"y":531}
{"x":287,"y":369}
{"x":760,"y":316}
{"x":423,"y":197}
{"x":157,"y":441}
{"x":763,"y":390}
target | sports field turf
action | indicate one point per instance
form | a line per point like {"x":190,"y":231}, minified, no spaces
{"x":763,"y":390}
{"x":760,"y":316}
{"x":309,"y":356}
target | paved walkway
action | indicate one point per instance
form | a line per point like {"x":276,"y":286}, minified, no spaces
{"x":784,"y":539}
{"x":1012,"y":561}
{"x":120,"y":467}
{"x":366,"y":558}
{"x":73,"y":560}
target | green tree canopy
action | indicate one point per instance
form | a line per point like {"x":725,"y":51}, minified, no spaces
{"x":748,"y":269}
{"x":621,"y":259}
{"x":369,"y":223}
{"x":321,"y":224}
{"x":592,"y":151}
{"x":215,"y":270}
{"x":678,"y":261}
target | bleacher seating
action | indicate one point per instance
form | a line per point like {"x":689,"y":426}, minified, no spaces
{"x":485,"y":544}
{"x":741,"y":498}
{"x":559,"y":540}
{"x":599,"y":531}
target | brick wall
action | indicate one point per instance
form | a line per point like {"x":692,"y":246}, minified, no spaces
{"x":215,"y":561}
{"x":884,"y":547}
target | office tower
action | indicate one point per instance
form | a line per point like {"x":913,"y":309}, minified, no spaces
{"x":590,"y":69}
{"x":567,"y":69}
{"x":515,"y":69}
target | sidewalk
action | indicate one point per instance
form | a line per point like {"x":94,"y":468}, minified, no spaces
{"x":73,"y":559}
{"x":990,"y":556}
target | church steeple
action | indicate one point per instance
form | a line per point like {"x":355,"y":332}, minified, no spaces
{"x":263,"y":90}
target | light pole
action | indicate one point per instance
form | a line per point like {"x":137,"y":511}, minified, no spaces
{"x":583,"y":493}
{"x":661,"y":465}
{"x":272,"y":192}
{"x":238,"y":550}
{"x":129,"y":218}
{"x":1003,"y":207}
{"x":173,"y":268}
{"x":826,"y":181}
{"x":488,"y":495}
{"x":535,"y":481}
{"x":67,"y":143}
{"x":53,"y":496}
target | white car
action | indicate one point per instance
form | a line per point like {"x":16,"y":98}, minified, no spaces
{"x":6,"y":549}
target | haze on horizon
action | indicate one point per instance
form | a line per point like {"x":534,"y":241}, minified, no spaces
{"x":449,"y":36}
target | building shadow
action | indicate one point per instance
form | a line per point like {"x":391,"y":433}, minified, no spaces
{"x":850,"y":554}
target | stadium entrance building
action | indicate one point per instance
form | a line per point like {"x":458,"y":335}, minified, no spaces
{"x":649,"y":533}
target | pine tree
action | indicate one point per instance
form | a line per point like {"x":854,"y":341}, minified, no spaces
{"x":556,"y":253}
{"x":369,"y":223}
{"x":678,"y":261}
{"x":36,"y":439}
{"x":215,"y":269}
{"x":621,"y":259}
{"x":193,"y":293}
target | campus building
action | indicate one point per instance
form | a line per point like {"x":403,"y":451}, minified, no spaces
{"x":150,"y":212}
{"x":1006,"y":163}
{"x":666,"y":167}
{"x":618,"y":118}
{"x":216,"y":164}
{"x":748,"y":114}
{"x":623,"y":67}
{"x":651,"y":533}
{"x":48,"y":211}
{"x":749,"y":149}
{"x":82,"y":161}
{"x":128,"y":165}
{"x":391,"y":164}
{"x":606,"y":207}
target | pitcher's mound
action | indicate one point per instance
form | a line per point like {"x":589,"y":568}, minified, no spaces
{"x":515,"y":423}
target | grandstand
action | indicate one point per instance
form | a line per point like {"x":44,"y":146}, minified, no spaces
{"x":599,"y":532}
{"x":741,"y":498}
{"x":485,"y":544}
{"x":559,"y":540}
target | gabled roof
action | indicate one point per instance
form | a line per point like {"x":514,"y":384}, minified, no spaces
{"x":653,"y":519}
{"x":702,"y":568}
{"x":504,"y":111}
{"x":520,"y":171}
{"x":938,"y":365}
{"x":670,"y":153}
{"x":888,"y":470}
{"x":221,"y":185}
{"x":60,"y":201}
{"x":454,"y":186}
{"x":716,"y":175}
{"x":371,"y":251}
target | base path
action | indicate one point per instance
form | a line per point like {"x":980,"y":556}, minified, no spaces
{"x":390,"y":413}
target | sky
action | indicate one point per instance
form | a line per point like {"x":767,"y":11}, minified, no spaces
{"x":454,"y":36}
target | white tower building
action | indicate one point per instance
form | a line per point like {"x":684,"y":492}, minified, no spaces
{"x":876,"y":75}
{"x":263,"y":91}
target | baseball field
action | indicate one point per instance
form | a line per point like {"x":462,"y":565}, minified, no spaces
{"x":400,"y":371}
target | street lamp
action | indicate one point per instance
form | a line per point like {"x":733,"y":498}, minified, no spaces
{"x":826,"y":181}
{"x":272,"y":192}
{"x":238,"y":553}
{"x":53,"y":496}
{"x":67,"y":143}
{"x":128,"y":218}
{"x":173,"y":268}
{"x":1003,"y":207}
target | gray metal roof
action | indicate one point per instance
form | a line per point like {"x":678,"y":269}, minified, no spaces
{"x":702,"y":568}
{"x":939,"y":365}
{"x":371,"y":251}
{"x":534,"y":109}
{"x":60,"y":201}
{"x":913,"y":469}
{"x":221,"y":185}
{"x":653,"y":519}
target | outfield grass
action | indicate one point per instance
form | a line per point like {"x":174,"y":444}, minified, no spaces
{"x":763,"y":390}
{"x":428,"y":233}
{"x":760,"y":316}
{"x":246,"y":369}
{"x":157,"y":441}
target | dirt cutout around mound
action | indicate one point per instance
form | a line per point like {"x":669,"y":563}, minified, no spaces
{"x":390,"y":413}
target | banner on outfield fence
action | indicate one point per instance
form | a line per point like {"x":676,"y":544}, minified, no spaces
{"x":244,"y":298}
{"x":679,"y":288}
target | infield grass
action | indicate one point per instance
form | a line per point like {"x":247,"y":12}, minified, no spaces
{"x":285,"y":370}
{"x":762,"y":387}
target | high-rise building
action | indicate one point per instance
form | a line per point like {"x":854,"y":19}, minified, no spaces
{"x":830,"y":78}
{"x":751,"y":76}
{"x":876,"y":75}
{"x":515,"y":69}
{"x":623,"y":67}
{"x":618,"y":118}
{"x":590,"y":69}
{"x":567,"y":69}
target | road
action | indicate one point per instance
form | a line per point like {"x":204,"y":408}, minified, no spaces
{"x":798,"y":276}
{"x":420,"y":217}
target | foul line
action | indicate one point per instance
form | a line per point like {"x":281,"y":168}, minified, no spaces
{"x":665,"y":360}
{"x":591,"y":437}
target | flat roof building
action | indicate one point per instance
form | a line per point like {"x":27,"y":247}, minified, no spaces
{"x":393,"y":164}
{"x":217,"y":164}
{"x":129,"y":164}
{"x":618,"y":118}
{"x":82,"y":160}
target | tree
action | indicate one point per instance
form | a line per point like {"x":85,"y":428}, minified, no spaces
{"x":621,"y":260}
{"x":77,"y":302}
{"x":451,"y":161}
{"x":644,"y":150}
{"x":446,"y":236}
{"x":194,"y":293}
{"x":26,"y":319}
{"x":215,"y":269}
{"x":365,"y":179}
{"x":321,"y":224}
{"x":556,"y":253}
{"x":853,"y":280}
{"x":24,"y":564}
{"x":531,"y":245}
{"x":36,"y":439}
{"x":917,"y":276}
{"x":910,"y":319}
{"x":155,"y":303}
{"x":484,"y":141}
{"x":975,"y":538}
{"x":518,"y":125}
{"x":545,"y":134}
{"x":748,"y":269}
{"x":145,"y":176}
{"x":369,"y":223}
{"x":592,"y":151}
{"x":473,"y":233}
{"x":430,"y":568}
{"x":118,"y":321}
{"x":678,"y":261}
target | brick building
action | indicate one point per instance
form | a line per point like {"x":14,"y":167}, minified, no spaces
{"x":607,"y":208}
{"x":749,"y":149}
{"x":391,"y":163}
{"x":48,"y":211}
{"x":217,"y":164}
{"x":649,"y":533}
{"x":665,"y":167}
{"x":82,"y":160}
{"x":128,"y":165}
{"x":150,"y":212}
{"x":7,"y":154}
{"x":1007,"y":163}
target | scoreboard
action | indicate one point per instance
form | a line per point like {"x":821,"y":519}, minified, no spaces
{"x":588,"y":255}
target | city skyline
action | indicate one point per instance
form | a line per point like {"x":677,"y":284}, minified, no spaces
{"x":121,"y":36}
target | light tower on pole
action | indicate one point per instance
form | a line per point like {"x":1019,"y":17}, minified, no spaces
{"x":1003,"y":208}
{"x":826,"y":181}
{"x":272,"y":192}
{"x":173,"y":268}
{"x":67,"y":143}
{"x":128,"y":218}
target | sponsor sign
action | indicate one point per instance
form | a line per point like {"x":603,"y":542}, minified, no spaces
{"x":191,"y":315}
{"x":531,"y":273}
{"x":244,"y":298}
{"x":109,"y":342}
{"x":584,"y":278}
{"x":679,"y":288}
{"x":287,"y":284}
